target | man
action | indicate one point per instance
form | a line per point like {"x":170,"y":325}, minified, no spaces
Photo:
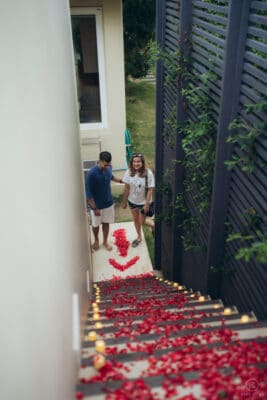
{"x":99,"y":197}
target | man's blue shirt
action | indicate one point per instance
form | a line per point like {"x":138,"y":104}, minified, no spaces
{"x":97,"y":185}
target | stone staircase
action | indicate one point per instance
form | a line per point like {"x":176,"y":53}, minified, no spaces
{"x":149,"y":338}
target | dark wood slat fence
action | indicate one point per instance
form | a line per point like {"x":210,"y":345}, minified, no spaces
{"x":229,"y":39}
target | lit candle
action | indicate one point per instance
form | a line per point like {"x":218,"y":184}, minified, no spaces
{"x":98,"y":301}
{"x":192,"y":295}
{"x":95,"y":309}
{"x":98,"y":325}
{"x":94,"y":304}
{"x":244,"y":319}
{"x":100,"y":346}
{"x":96,"y":316}
{"x":227,"y":311}
{"x":201,"y":298}
{"x":99,"y":361}
{"x":216,"y":306}
{"x":175,"y":284}
{"x":91,"y":336}
{"x":180,"y":287}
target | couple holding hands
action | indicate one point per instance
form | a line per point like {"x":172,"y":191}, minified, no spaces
{"x":138,"y":183}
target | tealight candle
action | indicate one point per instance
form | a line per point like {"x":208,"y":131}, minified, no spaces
{"x":98,"y":300}
{"x":175,"y":284}
{"x":244,"y":319}
{"x":91,"y":336}
{"x":98,"y":325}
{"x":201,"y":298}
{"x":96,"y":316}
{"x":192,"y":295}
{"x":99,"y":361}
{"x":180,"y":287}
{"x":100,"y":346}
{"x":95,"y":310}
{"x":216,"y":306}
{"x":227,"y":311}
{"x":94,"y":304}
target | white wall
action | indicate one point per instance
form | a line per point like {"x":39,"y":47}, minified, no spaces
{"x":44,"y":239}
{"x":112,"y":136}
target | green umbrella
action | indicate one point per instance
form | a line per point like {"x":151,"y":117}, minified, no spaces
{"x":128,"y":145}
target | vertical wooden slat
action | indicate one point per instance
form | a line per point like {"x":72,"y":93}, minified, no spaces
{"x":184,"y":44}
{"x":160,"y":34}
{"x":233,"y":63}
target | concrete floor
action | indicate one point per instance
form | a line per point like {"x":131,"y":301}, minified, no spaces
{"x":103,"y":270}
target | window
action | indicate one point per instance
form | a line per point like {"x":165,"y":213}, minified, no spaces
{"x":87,"y":34}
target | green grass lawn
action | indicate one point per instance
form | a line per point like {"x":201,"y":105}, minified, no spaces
{"x":140,"y":112}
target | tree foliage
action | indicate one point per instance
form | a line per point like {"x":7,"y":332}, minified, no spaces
{"x":139,"y":30}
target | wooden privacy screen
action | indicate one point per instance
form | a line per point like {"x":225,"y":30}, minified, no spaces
{"x":219,"y":49}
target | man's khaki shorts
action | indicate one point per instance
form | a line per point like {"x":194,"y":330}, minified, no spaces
{"x":107,"y":216}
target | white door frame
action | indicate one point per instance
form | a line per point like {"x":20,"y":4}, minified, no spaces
{"x":97,"y":12}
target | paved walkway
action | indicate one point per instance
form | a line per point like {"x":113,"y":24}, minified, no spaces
{"x":104,"y":261}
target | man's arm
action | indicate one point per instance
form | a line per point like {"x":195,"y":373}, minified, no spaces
{"x":89,"y":194}
{"x":114,"y":179}
{"x":91,"y":203}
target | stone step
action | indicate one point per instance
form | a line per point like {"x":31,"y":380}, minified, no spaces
{"x":202,"y":304}
{"x":205,"y":321}
{"x":155,"y":327}
{"x":244,"y":331}
{"x":187,"y":379}
{"x":114,"y":303}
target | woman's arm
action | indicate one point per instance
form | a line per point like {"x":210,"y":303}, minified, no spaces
{"x":148,"y":199}
{"x":149,"y":195}
{"x":125,"y":195}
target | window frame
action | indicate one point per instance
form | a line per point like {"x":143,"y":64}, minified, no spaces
{"x":97,"y":12}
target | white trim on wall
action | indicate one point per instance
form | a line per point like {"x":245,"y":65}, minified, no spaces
{"x":97,"y":12}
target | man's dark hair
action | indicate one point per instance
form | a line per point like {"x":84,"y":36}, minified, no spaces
{"x":105,"y":156}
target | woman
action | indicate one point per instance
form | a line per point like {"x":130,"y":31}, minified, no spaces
{"x":139,"y":184}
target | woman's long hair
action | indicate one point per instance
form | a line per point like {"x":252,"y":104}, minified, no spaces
{"x":142,"y":172}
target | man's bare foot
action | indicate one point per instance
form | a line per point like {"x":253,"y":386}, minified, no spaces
{"x":95,"y":245}
{"x":107,"y":246}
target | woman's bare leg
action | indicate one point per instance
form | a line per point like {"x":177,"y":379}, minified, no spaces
{"x":137,"y":223}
